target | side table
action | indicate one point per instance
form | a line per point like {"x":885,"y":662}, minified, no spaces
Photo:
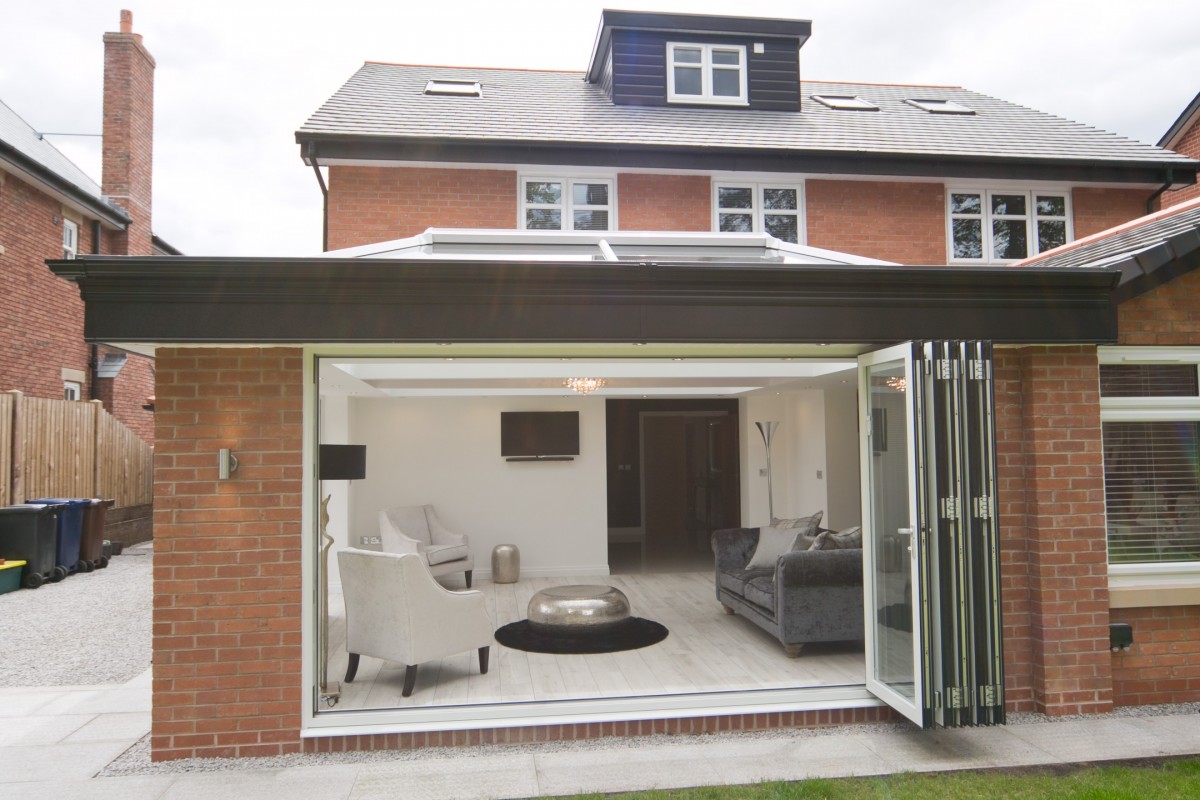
{"x":506,"y":563}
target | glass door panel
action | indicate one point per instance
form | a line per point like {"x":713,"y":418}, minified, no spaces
{"x":893,"y":629}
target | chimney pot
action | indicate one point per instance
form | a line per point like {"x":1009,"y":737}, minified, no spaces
{"x":126,"y":21}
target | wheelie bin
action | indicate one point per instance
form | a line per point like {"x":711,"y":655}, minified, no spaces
{"x":91,"y":543}
{"x":28,"y":533}
{"x":69,"y":533}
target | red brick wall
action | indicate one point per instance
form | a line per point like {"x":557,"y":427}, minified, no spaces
{"x":1163,"y":666}
{"x":41,"y":316}
{"x":125,"y":395}
{"x":1055,"y":574}
{"x":128,"y":148}
{"x":664,"y":202}
{"x":376,"y":204}
{"x":902,"y":222}
{"x":1168,"y":315}
{"x":227,"y":553}
{"x":1189,"y":145}
{"x":1100,"y":209}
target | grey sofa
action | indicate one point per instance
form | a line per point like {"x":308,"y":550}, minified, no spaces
{"x":810,"y":595}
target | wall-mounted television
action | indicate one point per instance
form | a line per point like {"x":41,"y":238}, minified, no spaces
{"x":539,"y":435}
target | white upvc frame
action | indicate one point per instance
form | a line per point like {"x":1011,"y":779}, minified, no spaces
{"x":72,"y":390}
{"x":706,"y":67}
{"x":566,"y":205}
{"x":1031,"y":217}
{"x":757,"y":210}
{"x":1150,"y":409}
{"x":70,"y":241}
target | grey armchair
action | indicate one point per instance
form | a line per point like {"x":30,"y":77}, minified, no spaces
{"x":396,"y":611}
{"x":416,"y":529}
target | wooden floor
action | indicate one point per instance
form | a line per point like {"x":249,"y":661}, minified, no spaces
{"x":706,"y":650}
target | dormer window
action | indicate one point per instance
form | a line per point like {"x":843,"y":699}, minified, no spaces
{"x":711,"y":74}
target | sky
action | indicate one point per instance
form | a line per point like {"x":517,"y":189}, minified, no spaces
{"x":236,"y":79}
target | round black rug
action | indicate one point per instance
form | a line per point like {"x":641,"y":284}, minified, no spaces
{"x":628,"y":634}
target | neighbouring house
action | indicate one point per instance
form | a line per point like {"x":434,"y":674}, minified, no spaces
{"x":49,"y":208}
{"x":722,"y":244}
{"x":1183,"y":137}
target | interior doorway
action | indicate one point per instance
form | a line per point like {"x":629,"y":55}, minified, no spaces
{"x":674,"y":478}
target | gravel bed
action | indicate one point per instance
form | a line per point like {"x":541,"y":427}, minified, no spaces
{"x":88,"y":629}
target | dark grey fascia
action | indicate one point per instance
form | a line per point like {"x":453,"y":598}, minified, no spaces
{"x":103,"y":211}
{"x":162,"y":300}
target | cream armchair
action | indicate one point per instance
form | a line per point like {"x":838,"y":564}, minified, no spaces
{"x":396,"y":611}
{"x":416,"y":529}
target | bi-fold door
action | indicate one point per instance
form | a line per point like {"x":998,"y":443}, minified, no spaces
{"x":930,"y":533}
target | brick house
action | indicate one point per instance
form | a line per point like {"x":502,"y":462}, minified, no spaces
{"x":1183,"y":137}
{"x":49,"y":208}
{"x":679,"y":220}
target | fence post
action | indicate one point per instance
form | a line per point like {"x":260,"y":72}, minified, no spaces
{"x":97,"y":459}
{"x":16,"y":470}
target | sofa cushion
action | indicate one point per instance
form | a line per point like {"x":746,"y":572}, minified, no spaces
{"x":848,"y":539}
{"x":772,"y":543}
{"x":761,"y":592}
{"x":807,"y":523}
{"x":442,"y":553}
{"x":736,"y":581}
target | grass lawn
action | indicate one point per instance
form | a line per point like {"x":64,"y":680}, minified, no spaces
{"x":1161,"y":781}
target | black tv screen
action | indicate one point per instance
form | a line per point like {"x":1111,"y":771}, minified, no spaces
{"x":530,"y":434}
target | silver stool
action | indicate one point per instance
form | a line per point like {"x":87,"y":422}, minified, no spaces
{"x":578,"y":608}
{"x":506,"y":563}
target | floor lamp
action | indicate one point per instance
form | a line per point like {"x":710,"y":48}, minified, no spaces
{"x":767,"y":429}
{"x":335,"y":462}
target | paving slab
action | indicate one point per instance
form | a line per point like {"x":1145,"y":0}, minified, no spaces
{"x":329,"y":782}
{"x":35,"y":730}
{"x":126,"y":727}
{"x":483,"y":777}
{"x":133,"y":787}
{"x":51,"y":763}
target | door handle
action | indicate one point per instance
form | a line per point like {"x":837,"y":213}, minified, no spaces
{"x":904,"y":531}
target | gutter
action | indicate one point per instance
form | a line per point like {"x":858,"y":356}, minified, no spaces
{"x":56,"y":182}
{"x":312,"y":158}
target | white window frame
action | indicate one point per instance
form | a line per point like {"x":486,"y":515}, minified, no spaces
{"x":567,"y":205}
{"x":1031,"y":217}
{"x":70,"y":239}
{"x":707,"y":67}
{"x":758,"y":211}
{"x":72,"y":390}
{"x":1151,"y":409}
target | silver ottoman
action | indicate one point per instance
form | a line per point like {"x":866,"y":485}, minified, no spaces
{"x":578,"y":608}
{"x":506,"y":563}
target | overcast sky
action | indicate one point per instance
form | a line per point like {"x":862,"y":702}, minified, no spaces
{"x":236,"y":79}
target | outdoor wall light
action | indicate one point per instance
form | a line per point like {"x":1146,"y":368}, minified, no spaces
{"x":227,"y":463}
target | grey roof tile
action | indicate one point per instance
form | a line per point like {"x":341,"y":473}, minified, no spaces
{"x":21,"y":136}
{"x":1171,"y":233}
{"x":387,"y":101}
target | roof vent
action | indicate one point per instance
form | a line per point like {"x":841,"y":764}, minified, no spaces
{"x":844,"y":102}
{"x":454,"y":88}
{"x":939,"y":106}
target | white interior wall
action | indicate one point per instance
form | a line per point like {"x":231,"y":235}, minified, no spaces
{"x":446,"y":451}
{"x":843,"y":484}
{"x":797,"y":455}
{"x":335,"y":429}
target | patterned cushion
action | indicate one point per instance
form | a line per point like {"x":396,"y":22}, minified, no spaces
{"x":849,"y":539}
{"x":806,"y":523}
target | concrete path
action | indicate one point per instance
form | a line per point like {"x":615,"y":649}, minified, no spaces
{"x":53,"y":741}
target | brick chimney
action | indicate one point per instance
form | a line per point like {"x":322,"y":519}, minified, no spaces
{"x":128,"y":162}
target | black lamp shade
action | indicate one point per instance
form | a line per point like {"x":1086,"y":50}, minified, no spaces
{"x":342,"y":462}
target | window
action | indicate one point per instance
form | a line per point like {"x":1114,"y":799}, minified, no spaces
{"x":706,"y":73}
{"x":70,"y":239}
{"x":454,"y":88}
{"x":72,"y":390}
{"x":560,"y":204}
{"x":998,"y":226}
{"x":759,"y":208}
{"x":1150,"y":421}
{"x":845,"y":102}
{"x":940,"y":106}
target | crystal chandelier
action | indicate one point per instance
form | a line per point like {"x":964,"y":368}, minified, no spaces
{"x":584,"y":385}
{"x":896,"y":382}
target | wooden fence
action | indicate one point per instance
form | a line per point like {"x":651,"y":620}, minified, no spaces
{"x":66,"y":448}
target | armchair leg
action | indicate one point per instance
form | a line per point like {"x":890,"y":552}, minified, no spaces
{"x":352,"y":667}
{"x":410,"y":679}
{"x":793,"y":650}
{"x":469,"y":579}
{"x":483,"y":659}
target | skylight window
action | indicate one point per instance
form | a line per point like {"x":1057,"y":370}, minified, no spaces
{"x":454,"y":88}
{"x":939,"y":106}
{"x":844,"y":102}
